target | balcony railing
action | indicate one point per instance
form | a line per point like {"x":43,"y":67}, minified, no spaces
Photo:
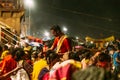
{"x":7,"y":35}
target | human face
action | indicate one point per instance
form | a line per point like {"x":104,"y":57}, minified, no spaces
{"x":65,"y":56}
{"x":54,"y":33}
{"x":39,"y":54}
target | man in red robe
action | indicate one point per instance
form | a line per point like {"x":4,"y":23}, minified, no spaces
{"x":61,"y":42}
{"x":7,"y":65}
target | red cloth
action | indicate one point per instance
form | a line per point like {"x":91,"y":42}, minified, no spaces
{"x":45,"y":48}
{"x":8,"y":64}
{"x":46,"y":77}
{"x":103,"y":64}
{"x":2,"y":34}
{"x":65,"y":45}
{"x":38,"y":40}
{"x":63,"y":73}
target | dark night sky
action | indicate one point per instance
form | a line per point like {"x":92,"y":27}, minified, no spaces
{"x":95,"y":18}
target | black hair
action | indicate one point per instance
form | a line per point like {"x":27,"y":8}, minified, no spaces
{"x":19,"y":53}
{"x":56,"y":28}
{"x":51,"y":56}
{"x":35,"y":54}
{"x":104,"y":57}
{"x":0,"y":48}
{"x":87,"y":55}
{"x":74,"y":56}
{"x":5,"y":47}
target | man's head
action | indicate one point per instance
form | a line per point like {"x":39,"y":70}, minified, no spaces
{"x":52,"y":57}
{"x":19,"y":54}
{"x":56,"y":30}
{"x":5,"y":47}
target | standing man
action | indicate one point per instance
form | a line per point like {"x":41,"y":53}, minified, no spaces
{"x":61,"y":42}
{"x":116,"y":62}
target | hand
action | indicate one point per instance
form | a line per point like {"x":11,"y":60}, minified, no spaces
{"x":17,"y":68}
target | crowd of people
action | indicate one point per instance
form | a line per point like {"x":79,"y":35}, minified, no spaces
{"x":59,"y":61}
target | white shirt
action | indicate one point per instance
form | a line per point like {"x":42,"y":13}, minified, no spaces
{"x":20,"y":75}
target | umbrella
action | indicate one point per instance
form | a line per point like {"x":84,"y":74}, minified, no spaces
{"x":35,"y":44}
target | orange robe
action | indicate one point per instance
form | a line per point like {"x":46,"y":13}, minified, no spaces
{"x":65,"y":47}
{"x":8,"y":64}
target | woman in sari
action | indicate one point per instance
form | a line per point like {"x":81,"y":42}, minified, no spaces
{"x":62,"y":68}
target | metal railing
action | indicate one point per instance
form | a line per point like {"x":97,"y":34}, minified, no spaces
{"x":4,"y":39}
{"x":9,"y":35}
{"x":5,"y":27}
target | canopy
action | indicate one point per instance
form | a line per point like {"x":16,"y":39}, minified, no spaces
{"x":111,"y":38}
{"x":35,"y":44}
{"x":34,"y":39}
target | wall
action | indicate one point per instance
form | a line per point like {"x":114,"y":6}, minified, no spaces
{"x":12,"y":19}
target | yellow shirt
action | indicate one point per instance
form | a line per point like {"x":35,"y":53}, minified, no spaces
{"x":4,"y":53}
{"x":76,"y":64}
{"x":37,"y":67}
{"x":28,"y":48}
